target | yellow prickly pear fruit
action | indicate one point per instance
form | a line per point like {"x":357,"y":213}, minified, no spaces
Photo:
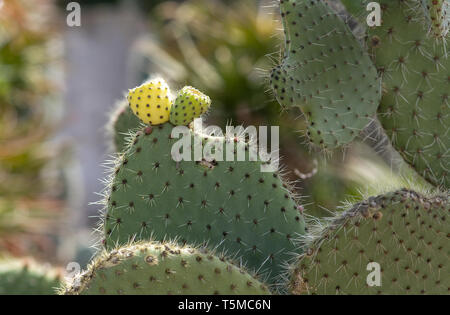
{"x":151,"y":102}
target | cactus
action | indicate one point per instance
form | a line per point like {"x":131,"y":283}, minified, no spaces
{"x":231,"y":206}
{"x":123,"y":121}
{"x":410,"y":52}
{"x":26,"y":277}
{"x":415,"y":108}
{"x":151,"y":101}
{"x":326,"y":73}
{"x":189,"y":104}
{"x":163,"y":268}
{"x":404,"y":232}
{"x":439,"y":13}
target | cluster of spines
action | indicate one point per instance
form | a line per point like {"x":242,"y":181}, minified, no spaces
{"x":326,"y":73}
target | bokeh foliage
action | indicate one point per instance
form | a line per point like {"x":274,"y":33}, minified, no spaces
{"x":26,"y":120}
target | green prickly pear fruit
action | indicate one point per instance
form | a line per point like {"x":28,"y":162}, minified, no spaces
{"x":123,"y":121}
{"x":326,"y":73}
{"x":228,"y":205}
{"x":415,"y":108}
{"x":396,"y":243}
{"x":26,"y":277}
{"x":163,"y":268}
{"x":189,"y":104}
{"x":151,"y":101}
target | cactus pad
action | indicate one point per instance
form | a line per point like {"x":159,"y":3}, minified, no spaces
{"x":229,"y":205}
{"x":189,"y":104}
{"x":415,"y":108}
{"x":405,"y":233}
{"x":151,"y":102}
{"x":155,"y":269}
{"x":326,"y":73}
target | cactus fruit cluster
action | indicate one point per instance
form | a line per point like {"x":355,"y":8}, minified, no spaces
{"x":153,"y":103}
{"x":26,"y":277}
{"x":403,"y":232}
{"x":163,"y":268}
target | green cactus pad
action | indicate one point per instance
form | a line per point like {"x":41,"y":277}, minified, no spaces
{"x":416,"y":82}
{"x":229,"y":205}
{"x":405,"y":233}
{"x":326,"y":73}
{"x":189,"y":104}
{"x":159,"y":269}
{"x":25,"y":277}
{"x":122,"y":122}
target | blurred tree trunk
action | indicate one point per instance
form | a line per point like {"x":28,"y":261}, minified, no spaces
{"x":96,"y":53}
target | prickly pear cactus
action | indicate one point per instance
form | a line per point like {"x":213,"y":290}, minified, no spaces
{"x":230,"y":206}
{"x":326,"y":73}
{"x":189,"y":104}
{"x":403,"y":232}
{"x":155,"y":268}
{"x":123,"y":121}
{"x":151,"y":101}
{"x":410,"y":50}
{"x":25,"y":277}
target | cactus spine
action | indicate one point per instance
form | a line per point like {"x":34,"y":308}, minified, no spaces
{"x":230,"y":206}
